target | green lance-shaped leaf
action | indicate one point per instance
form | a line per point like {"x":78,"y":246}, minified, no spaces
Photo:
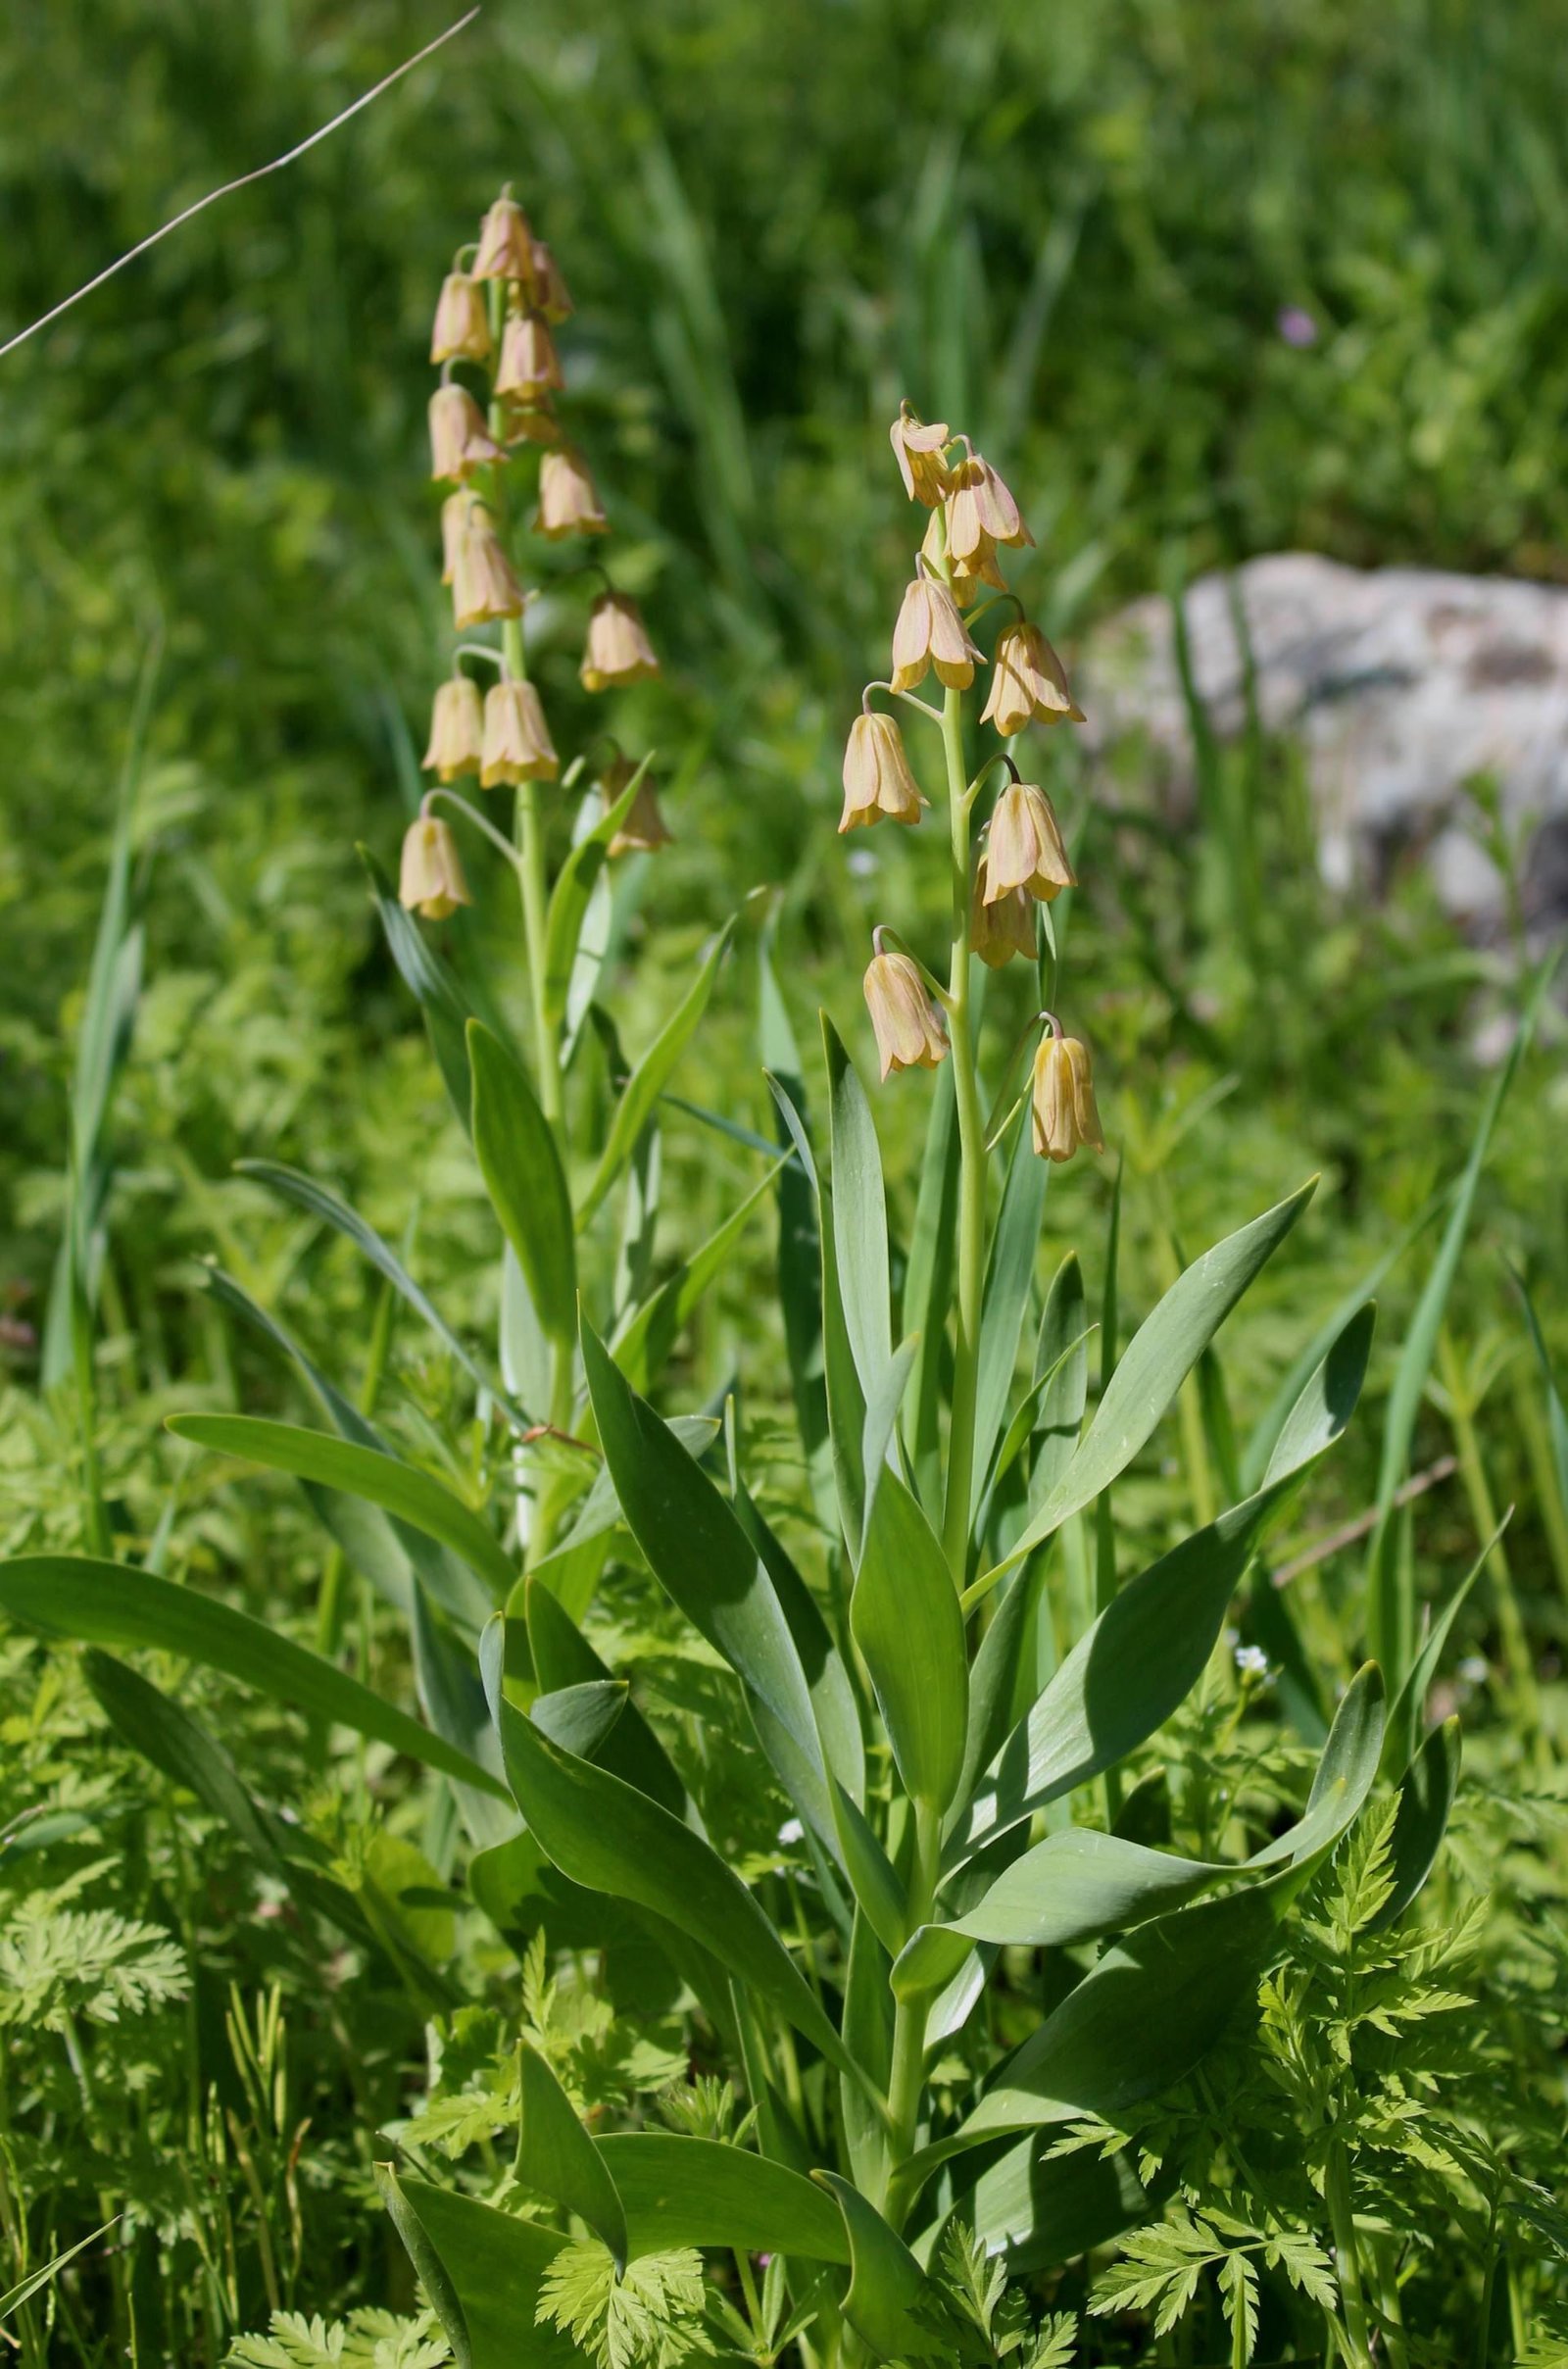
{"x":1426,"y":1801}
{"x":700,"y":2192}
{"x":164,"y":1733}
{"x":1078,"y":1883}
{"x":1403,"y":1739}
{"x":928,"y":1285}
{"x":604,"y":1834}
{"x":114,"y":1605}
{"x":1009,"y":1272}
{"x":1137,"y":1661}
{"x":483,"y":2270}
{"x":452,"y":1698}
{"x":1154,"y":2005}
{"x":799,"y":1254}
{"x":872,"y":1877}
{"x":25,"y":2288}
{"x":568,"y":900}
{"x":431,"y":983}
{"x":562,"y":1657}
{"x":1042,"y":2211}
{"x":886,"y":2286}
{"x":582,"y":1719}
{"x":523,"y":1173}
{"x":907,"y":1624}
{"x":859,"y":1216}
{"x":648,"y":1080}
{"x":699,"y":1552}
{"x":833,"y":1697}
{"x":1061,"y":1362}
{"x":314,"y":1199}
{"x":1152,"y":1368}
{"x":642,"y":1343}
{"x":557,"y":2156}
{"x":1391,"y":1609}
{"x":383,"y":1480}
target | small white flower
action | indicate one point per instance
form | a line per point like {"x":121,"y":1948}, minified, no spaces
{"x":862,"y":861}
{"x":1252,"y":1661}
{"x":1475,"y":1669}
{"x":791,"y":1831}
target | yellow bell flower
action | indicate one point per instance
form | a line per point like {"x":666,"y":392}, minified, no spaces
{"x":484,"y":583}
{"x":877,"y":780}
{"x":1062,"y":1099}
{"x":568,"y":499}
{"x":431,"y":877}
{"x":506,"y":243}
{"x":1027,"y":683}
{"x":550,"y":292}
{"x":531,"y":366}
{"x":461,"y":326}
{"x":1024,"y":849}
{"x":918,"y":449}
{"x":1002,"y":929}
{"x":930,"y":632}
{"x":518,"y":746}
{"x":457,"y":730}
{"x":980,"y":511}
{"x":618,"y":649}
{"x":459,"y":441}
{"x":908,"y":1023}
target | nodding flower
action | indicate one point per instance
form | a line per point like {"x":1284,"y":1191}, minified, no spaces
{"x":531,"y":366}
{"x":905,"y":1018}
{"x":1004,"y":928}
{"x":1024,"y":848}
{"x":431,"y":878}
{"x":1028,"y":683}
{"x":930,"y":632}
{"x":484,"y":583}
{"x":918,"y":449}
{"x":461,"y":328}
{"x":457,"y":730}
{"x":877,"y":781}
{"x":551,"y":294}
{"x":645,"y":829}
{"x":518,"y":746}
{"x":568,"y":499}
{"x":618,"y":649}
{"x":1063,"y":1097}
{"x":459,"y":441}
{"x":506,"y":244}
{"x":980,"y":512}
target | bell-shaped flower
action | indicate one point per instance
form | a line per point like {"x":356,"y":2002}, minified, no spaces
{"x":550,"y":292}
{"x":461,"y":326}
{"x":431,"y":877}
{"x":618,"y":649}
{"x":1002,"y":929}
{"x":484,"y":583}
{"x":1024,"y":847}
{"x":877,"y":780}
{"x":518,"y":746}
{"x":905,"y":1018}
{"x":529,"y":365}
{"x":1027,"y":683}
{"x":1062,"y":1099}
{"x":568,"y":499}
{"x":457,"y":730}
{"x":645,"y":829}
{"x":506,"y":243}
{"x":918,"y":449}
{"x":930,"y":632}
{"x":459,"y":441}
{"x":980,"y":509}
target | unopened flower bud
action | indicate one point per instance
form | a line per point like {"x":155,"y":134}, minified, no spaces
{"x":644,"y":828}
{"x":980,"y":509}
{"x":462,"y":329}
{"x":550,"y":292}
{"x":1028,"y":683}
{"x":459,"y":441}
{"x":877,"y":779}
{"x":1063,"y":1100}
{"x":619,"y":649}
{"x":918,"y":449}
{"x":905,"y":1020}
{"x":431,"y":878}
{"x":518,"y":746}
{"x":484,"y":583}
{"x":930,"y":632}
{"x":568,"y":499}
{"x":1024,"y":849}
{"x":506,"y":244}
{"x":529,"y":364}
{"x":1001,"y":930}
{"x":457,"y":730}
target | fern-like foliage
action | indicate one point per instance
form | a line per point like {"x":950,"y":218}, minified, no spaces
{"x":649,"y":2316}
{"x":365,"y":2339}
{"x":57,"y":1964}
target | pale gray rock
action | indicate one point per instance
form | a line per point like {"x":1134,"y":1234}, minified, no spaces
{"x":1405,"y":686}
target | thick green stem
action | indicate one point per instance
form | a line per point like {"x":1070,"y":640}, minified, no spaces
{"x":971,"y":1162}
{"x":1341,"y":2217}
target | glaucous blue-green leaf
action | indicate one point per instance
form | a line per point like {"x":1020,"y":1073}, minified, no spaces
{"x":1137,"y":1661}
{"x":859,"y":1216}
{"x":107,"y":1603}
{"x":580,"y":1719}
{"x":647,"y":1080}
{"x":1009,"y":1274}
{"x":906,"y":1621}
{"x":604,"y":1834}
{"x":928,"y":1286}
{"x":516,"y":1148}
{"x":564,"y":1657}
{"x":701,"y":2191}
{"x":557,"y":2156}
{"x":641,"y":1346}
{"x":833,"y":1697}
{"x":1041,"y":2211}
{"x":1152,"y":1368}
{"x":483,"y":2271}
{"x":1426,"y":1802}
{"x":886,"y":2286}
{"x":872,"y":1878}
{"x":414,"y":1497}
{"x":431,"y":983}
{"x":452,"y":1698}
{"x":570,"y":899}
{"x":1403,"y":1737}
{"x":1061,"y":1353}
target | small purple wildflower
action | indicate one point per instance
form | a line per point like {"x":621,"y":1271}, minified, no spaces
{"x":1295,"y":326}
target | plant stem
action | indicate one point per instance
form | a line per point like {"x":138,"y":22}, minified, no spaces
{"x":1341,"y":2217}
{"x":971,"y":1162}
{"x":907,"y":2083}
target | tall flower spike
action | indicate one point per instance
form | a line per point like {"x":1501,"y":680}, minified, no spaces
{"x":619,"y":649}
{"x":930,"y":632}
{"x":457,"y":730}
{"x":999,"y":932}
{"x":877,"y":780}
{"x":1024,"y":849}
{"x":905,"y":1020}
{"x":980,"y":511}
{"x":550,"y":292}
{"x":529,"y":364}
{"x":506,"y":243}
{"x":431,"y":877}
{"x":461,"y":328}
{"x":1027,"y":681}
{"x":518,"y":746}
{"x":459,"y":441}
{"x":568,"y":499}
{"x":918,"y":449}
{"x":1062,"y":1099}
{"x":484,"y":583}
